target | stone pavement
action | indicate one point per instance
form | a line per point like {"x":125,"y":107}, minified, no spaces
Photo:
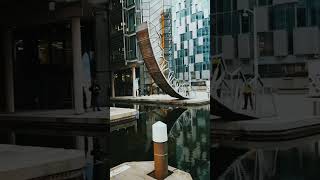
{"x":24,"y":162}
{"x":198,"y":98}
{"x":296,"y":118}
{"x":59,"y":114}
{"x":139,"y":171}
{"x":121,"y":113}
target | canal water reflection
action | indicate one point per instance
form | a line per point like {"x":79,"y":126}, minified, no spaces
{"x":287,"y":160}
{"x":188,"y":133}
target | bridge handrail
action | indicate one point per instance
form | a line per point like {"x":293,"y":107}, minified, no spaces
{"x":173,"y":80}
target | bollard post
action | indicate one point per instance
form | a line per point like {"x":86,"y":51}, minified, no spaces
{"x":160,"y":153}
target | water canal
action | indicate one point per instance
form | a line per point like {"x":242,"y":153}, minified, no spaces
{"x":293,"y":159}
{"x":188,"y":133}
{"x":290,"y":160}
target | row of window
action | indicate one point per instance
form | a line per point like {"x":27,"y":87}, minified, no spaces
{"x":283,"y":70}
{"x":202,"y":32}
{"x":231,"y":5}
{"x":206,"y":43}
{"x":185,"y":68}
{"x":220,"y":6}
{"x":191,"y":60}
{"x":284,"y":16}
{"x":265,"y":44}
{"x":204,"y":49}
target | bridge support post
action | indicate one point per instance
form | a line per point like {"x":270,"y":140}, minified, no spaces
{"x":113,"y":90}
{"x":8,"y":68}
{"x":77,"y":66}
{"x":160,"y":138}
{"x":134,"y":88}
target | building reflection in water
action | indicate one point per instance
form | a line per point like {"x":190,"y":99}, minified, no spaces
{"x":188,"y":132}
{"x":299,"y":159}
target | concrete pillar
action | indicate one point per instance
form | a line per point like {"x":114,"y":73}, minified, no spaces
{"x":134,"y":94}
{"x":8,"y":68}
{"x":102,"y":55}
{"x":77,"y":66}
{"x":112,"y":86}
{"x":142,"y":79}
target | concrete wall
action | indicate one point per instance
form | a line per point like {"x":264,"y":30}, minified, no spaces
{"x":228,"y":47}
{"x":102,"y":56}
{"x":244,"y":46}
{"x":280,"y":43}
{"x":262,"y":23}
{"x":242,"y":4}
{"x":306,"y":41}
{"x":284,"y":1}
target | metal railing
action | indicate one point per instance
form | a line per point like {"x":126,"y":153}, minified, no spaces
{"x":228,"y":88}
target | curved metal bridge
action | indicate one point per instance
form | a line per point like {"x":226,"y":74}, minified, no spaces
{"x":227,"y":94}
{"x":170,"y":85}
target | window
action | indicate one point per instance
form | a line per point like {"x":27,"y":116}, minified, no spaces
{"x":181,"y":38}
{"x":265,"y":43}
{"x":265,"y":2}
{"x":226,"y":5}
{"x":131,"y":47}
{"x":130,"y":3}
{"x":245,"y":24}
{"x":282,"y":16}
{"x":131,"y":21}
{"x":191,"y":59}
{"x":235,"y":23}
{"x":314,"y":16}
{"x":198,"y":66}
{"x":199,"y":49}
{"x":301,"y":17}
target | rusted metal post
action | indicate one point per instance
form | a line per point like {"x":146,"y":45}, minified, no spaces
{"x":160,"y":138}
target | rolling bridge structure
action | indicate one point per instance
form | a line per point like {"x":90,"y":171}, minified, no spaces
{"x":154,"y":37}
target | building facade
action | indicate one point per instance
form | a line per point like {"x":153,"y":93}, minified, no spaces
{"x":191,"y":40}
{"x":126,"y":16}
{"x":288,"y":37}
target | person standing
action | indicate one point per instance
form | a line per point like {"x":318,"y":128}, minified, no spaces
{"x":84,"y":99}
{"x":247,"y":94}
{"x":95,"y":91}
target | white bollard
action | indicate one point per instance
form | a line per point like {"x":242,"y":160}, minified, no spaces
{"x":160,"y":139}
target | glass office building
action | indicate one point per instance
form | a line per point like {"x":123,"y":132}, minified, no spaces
{"x":288,"y":36}
{"x":191,"y":40}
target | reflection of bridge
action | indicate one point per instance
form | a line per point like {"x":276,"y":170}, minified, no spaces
{"x":170,"y":85}
{"x":175,"y":120}
{"x":254,"y":164}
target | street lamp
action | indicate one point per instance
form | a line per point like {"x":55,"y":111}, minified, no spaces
{"x":255,"y":45}
{"x":255,"y":38}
